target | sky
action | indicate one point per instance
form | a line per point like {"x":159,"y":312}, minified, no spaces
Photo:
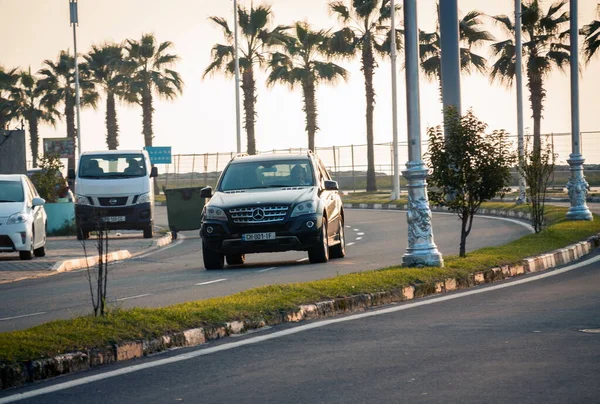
{"x":202,"y":120}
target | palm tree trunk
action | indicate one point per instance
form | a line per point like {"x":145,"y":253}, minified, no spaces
{"x":368,"y":68}
{"x":310,"y":109}
{"x":536,"y":97}
{"x":112,"y":127}
{"x":249,"y":89}
{"x":147,"y":111}
{"x":71,"y":134}
{"x":34,"y":139}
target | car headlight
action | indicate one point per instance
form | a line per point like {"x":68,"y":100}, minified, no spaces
{"x":144,"y":198}
{"x":214,"y":213}
{"x":18,"y":218}
{"x":305,"y":208}
{"x":81,"y":200}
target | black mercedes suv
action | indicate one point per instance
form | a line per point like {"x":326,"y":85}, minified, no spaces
{"x":272,"y":203}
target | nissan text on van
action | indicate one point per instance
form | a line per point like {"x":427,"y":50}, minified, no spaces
{"x":114,"y":191}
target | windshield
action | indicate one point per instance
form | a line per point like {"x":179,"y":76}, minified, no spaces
{"x":112,"y":166}
{"x":11,"y":191}
{"x":266,"y":174}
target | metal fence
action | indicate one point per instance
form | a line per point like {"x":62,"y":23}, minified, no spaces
{"x":348,"y":164}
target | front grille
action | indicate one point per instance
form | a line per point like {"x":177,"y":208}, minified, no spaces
{"x":120,"y":201}
{"x":6,"y":242}
{"x":258,"y":214}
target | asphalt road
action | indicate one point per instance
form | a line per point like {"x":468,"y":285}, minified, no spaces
{"x":535,"y":339}
{"x":375,"y":239}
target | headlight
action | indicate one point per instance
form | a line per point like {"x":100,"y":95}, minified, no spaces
{"x":81,"y":200}
{"x":305,"y":208}
{"x":144,"y":198}
{"x":18,"y":218}
{"x":214,"y":213}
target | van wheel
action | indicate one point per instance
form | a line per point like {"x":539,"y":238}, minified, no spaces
{"x":212,"y":259}
{"x":82,"y":234}
{"x":148,"y":232}
{"x":320,"y":253}
{"x":235,"y":259}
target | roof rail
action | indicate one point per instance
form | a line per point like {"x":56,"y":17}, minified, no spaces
{"x":240,"y":155}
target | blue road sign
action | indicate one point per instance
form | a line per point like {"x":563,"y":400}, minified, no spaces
{"x":159,"y":155}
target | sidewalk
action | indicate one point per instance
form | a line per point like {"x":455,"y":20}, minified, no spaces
{"x":67,"y":254}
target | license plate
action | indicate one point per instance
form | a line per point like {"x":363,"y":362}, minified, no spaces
{"x":258,"y":236}
{"x":114,"y":219}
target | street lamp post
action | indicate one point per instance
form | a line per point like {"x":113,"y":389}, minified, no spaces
{"x":577,"y":185}
{"x":450,"y":56}
{"x":237,"y":79}
{"x":396,"y":179}
{"x":421,"y":250}
{"x":74,"y":23}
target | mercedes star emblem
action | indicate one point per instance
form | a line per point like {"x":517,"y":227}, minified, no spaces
{"x":258,"y":214}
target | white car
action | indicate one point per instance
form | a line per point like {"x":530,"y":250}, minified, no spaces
{"x":22,"y":217}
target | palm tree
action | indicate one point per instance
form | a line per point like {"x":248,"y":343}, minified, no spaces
{"x":29,"y":98}
{"x":58,"y":85}
{"x":544,"y":47}
{"x":472,"y":35}
{"x":152,"y":76}
{"x":257,"y":40}
{"x":365,"y":32}
{"x":299,"y":64}
{"x":591,"y":42}
{"x":8,"y":107}
{"x":109,"y":70}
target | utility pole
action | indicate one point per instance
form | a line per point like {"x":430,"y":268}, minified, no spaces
{"x":74,"y":23}
{"x":519,"y":76}
{"x":450,"y":58}
{"x":238,"y":121}
{"x":395,"y":179}
{"x":577,"y":185}
{"x":421,"y":248}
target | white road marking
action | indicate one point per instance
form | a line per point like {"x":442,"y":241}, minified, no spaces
{"x":348,"y":226}
{"x":283,"y":333}
{"x":209,"y":282}
{"x":358,"y":238}
{"x":131,"y":297}
{"x":361,"y":234}
{"x":24,"y":315}
{"x":355,"y":229}
{"x":180,"y":239}
{"x":349,"y":244}
{"x":302,"y":259}
{"x":265,"y":270}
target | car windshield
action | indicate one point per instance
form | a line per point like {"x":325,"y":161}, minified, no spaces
{"x":11,"y":191}
{"x":267,"y":174}
{"x":112,"y":166}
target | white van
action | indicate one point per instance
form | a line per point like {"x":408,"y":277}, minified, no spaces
{"x":114,"y":191}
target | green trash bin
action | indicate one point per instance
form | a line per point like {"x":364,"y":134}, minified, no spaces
{"x":184,"y":209}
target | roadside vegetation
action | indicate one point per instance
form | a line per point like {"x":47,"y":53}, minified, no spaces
{"x":267,"y":303}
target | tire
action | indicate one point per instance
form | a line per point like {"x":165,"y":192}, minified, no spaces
{"x":320,"y":253}
{"x":235,"y":259}
{"x":339,"y":250}
{"x":82,"y":234}
{"x":40,"y":252}
{"x":148,"y":232}
{"x":212,"y":259}
{"x":174,"y":235}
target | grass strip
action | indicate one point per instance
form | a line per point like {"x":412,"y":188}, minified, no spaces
{"x":268,"y":302}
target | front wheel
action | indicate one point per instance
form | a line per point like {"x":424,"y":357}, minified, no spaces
{"x":148,"y":232}
{"x":82,"y":234}
{"x":320,"y":253}
{"x":235,"y":259}
{"x":212,"y":259}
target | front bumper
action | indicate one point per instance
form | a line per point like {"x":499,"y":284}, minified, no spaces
{"x":137,"y":217}
{"x":15,"y":237}
{"x":293,"y":235}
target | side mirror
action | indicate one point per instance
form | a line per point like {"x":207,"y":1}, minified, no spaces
{"x":154,"y":172}
{"x":331,"y":186}
{"x":206,"y":192}
{"x":71,"y":174}
{"x":37,"y":202}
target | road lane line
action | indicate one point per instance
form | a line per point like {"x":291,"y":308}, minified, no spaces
{"x":24,"y":315}
{"x":209,"y":282}
{"x":349,"y":244}
{"x":302,"y":260}
{"x":265,"y":270}
{"x":283,"y":333}
{"x":361,"y":233}
{"x":180,"y":239}
{"x":358,"y":238}
{"x":131,"y":297}
{"x":355,"y":229}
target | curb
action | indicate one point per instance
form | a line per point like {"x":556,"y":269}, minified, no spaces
{"x":19,"y":374}
{"x":79,"y":263}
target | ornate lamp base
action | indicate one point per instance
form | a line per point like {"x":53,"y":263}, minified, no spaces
{"x":577,"y":187}
{"x":421,"y":250}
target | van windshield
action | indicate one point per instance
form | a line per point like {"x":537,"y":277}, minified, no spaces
{"x":104,"y":166}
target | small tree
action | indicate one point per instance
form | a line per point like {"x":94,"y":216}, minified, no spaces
{"x":537,"y":173}
{"x":468,"y":167}
{"x":98,"y":274}
{"x":48,"y":181}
